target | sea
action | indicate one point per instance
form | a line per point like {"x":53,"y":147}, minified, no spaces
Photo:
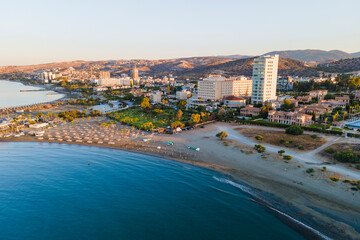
{"x":11,"y":96}
{"x":61,"y":191}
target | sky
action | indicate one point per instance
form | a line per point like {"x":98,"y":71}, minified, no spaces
{"x":42,"y":31}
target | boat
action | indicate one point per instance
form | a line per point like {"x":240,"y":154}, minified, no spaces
{"x":147,"y":139}
{"x":194,"y":148}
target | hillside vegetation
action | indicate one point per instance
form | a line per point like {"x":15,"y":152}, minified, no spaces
{"x":341,"y":66}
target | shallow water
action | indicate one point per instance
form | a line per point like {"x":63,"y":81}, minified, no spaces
{"x":49,"y":191}
{"x":11,"y":96}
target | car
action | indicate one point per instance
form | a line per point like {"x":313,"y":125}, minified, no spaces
{"x":202,"y":127}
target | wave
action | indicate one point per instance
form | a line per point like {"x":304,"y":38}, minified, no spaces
{"x":299,"y":226}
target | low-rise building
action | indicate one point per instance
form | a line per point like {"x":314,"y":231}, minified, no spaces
{"x":290,"y":118}
{"x":234,"y":102}
{"x":357,"y":95}
{"x":250,"y":110}
{"x":304,"y":99}
{"x":155,"y":97}
{"x":182,"y":95}
{"x":344,"y":99}
{"x":319,"y":94}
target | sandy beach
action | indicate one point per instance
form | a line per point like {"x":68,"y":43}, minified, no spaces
{"x":331,"y":207}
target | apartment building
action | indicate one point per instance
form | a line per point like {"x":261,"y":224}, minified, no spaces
{"x":111,"y":82}
{"x":155,"y":97}
{"x":216,"y":87}
{"x":264,"y":79}
{"x":104,"y":75}
{"x":285,"y":83}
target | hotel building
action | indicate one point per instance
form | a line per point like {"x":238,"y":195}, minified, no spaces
{"x":264,"y":79}
{"x":216,"y":87}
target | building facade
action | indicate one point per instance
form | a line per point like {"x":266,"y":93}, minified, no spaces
{"x":216,"y":87}
{"x":264,"y":79}
{"x":155,"y":97}
{"x":104,"y":75}
{"x":291,"y":118}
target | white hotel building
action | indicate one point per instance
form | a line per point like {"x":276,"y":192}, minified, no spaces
{"x":216,"y":87}
{"x":264,"y":78}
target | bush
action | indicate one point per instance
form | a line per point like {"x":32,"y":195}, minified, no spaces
{"x":313,"y":136}
{"x":176,"y":124}
{"x":280,"y":152}
{"x":300,"y":147}
{"x":282,"y":140}
{"x":287,"y":157}
{"x":330,"y":150}
{"x":357,"y":166}
{"x":334,"y":179}
{"x":259,"y":148}
{"x":222,"y":135}
{"x":310,"y":170}
{"x":294,"y":130}
{"x":347,"y":156}
{"x":259,"y":137}
{"x":323,"y":169}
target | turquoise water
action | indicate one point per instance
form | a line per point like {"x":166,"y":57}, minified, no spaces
{"x":11,"y":96}
{"x":49,"y":191}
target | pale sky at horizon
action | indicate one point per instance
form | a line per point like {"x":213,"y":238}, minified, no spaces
{"x":41,"y":31}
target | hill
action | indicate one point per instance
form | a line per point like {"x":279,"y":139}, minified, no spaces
{"x":310,"y":55}
{"x":123,"y":66}
{"x":235,"y":56}
{"x":341,"y":66}
{"x":244,"y":67}
{"x":356,"y":55}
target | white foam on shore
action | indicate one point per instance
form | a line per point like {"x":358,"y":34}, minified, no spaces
{"x":252,"y":193}
{"x":300,"y":223}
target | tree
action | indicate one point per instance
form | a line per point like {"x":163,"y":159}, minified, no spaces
{"x":313,"y":116}
{"x":294,"y":130}
{"x":179,"y":115}
{"x":145,"y":104}
{"x":195,"y":118}
{"x":222,"y":135}
{"x":181,"y":103}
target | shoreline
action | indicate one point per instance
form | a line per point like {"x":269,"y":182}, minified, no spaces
{"x":260,"y":183}
{"x":41,"y":86}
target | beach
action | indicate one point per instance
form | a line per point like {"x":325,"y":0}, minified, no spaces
{"x":315,"y":200}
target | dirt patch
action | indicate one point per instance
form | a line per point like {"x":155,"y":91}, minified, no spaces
{"x":280,"y":138}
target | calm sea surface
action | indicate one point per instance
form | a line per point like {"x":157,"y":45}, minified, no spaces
{"x":11,"y":96}
{"x":49,"y":191}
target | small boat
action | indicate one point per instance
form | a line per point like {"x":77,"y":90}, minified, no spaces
{"x":194,"y":148}
{"x":147,"y":139}
{"x":170,"y":143}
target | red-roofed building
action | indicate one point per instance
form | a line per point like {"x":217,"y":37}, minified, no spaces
{"x":234,"y":102}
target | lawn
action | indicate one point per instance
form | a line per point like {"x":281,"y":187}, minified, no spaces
{"x":153,"y":118}
{"x":280,"y":138}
